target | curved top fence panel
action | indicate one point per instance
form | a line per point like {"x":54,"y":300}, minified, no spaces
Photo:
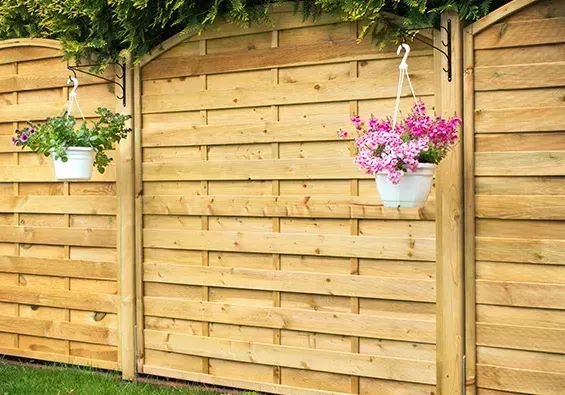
{"x":58,"y":256}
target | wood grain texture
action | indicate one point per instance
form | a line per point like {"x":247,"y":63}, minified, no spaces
{"x":536,"y":163}
{"x":59,"y":330}
{"x":323,"y":245}
{"x":55,"y":298}
{"x":125,"y":178}
{"x":59,"y":247}
{"x":294,"y":319}
{"x":297,"y":93}
{"x":522,"y":33}
{"x":305,"y":54}
{"x":101,"y":205}
{"x":364,"y":365}
{"x":450,"y":329}
{"x":257,"y":227}
{"x":280,"y":206}
{"x":362,"y":286}
{"x":58,"y":267}
{"x":533,"y":207}
{"x":518,"y":125}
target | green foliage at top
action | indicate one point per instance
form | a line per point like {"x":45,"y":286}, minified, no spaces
{"x":58,"y":133}
{"x":99,"y":30}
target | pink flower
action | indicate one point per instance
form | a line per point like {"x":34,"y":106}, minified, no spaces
{"x":23,"y":137}
{"x":342,"y":134}
{"x":417,"y":139}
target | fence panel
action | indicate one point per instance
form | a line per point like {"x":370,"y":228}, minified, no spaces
{"x":58,"y":257}
{"x":269,"y":262}
{"x":517,"y":122}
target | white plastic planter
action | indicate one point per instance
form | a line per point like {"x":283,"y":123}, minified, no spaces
{"x":412,"y":190}
{"x":78,"y":167}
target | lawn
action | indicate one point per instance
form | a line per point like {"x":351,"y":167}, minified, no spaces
{"x":59,"y":380}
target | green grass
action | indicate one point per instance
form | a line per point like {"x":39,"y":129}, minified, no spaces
{"x":59,"y":380}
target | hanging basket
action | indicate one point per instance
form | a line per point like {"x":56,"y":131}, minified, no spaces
{"x":412,"y":190}
{"x":78,"y":167}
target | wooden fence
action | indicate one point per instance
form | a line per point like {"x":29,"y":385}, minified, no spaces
{"x":516,"y":118}
{"x":263,"y":259}
{"x":268,"y":261}
{"x":58,"y":265}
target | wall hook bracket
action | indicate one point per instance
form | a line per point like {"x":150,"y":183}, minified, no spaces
{"x":447,"y":45}
{"x":121,"y":76}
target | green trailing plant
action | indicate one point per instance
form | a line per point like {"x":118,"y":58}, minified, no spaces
{"x":55,"y":135}
{"x":99,"y":30}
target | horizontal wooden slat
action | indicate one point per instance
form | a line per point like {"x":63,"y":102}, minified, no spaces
{"x":232,"y":383}
{"x":506,"y":142}
{"x":290,"y":243}
{"x":36,"y":81}
{"x":539,"y":10}
{"x":59,"y":330}
{"x":306,"y":54}
{"x":35,"y":112}
{"x":281,"y":206}
{"x":382,"y":327}
{"x":521,"y":337}
{"x":520,"y":380}
{"x":101,"y":205}
{"x":539,"y":75}
{"x":504,"y":271}
{"x":520,"y":250}
{"x":294,"y":357}
{"x":514,"y":99}
{"x":531,"y":119}
{"x":520,"y":207}
{"x":522,"y":33}
{"x":59,"y":267}
{"x":542,"y":295}
{"x":541,"y":163}
{"x":58,"y":236}
{"x":521,"y":316}
{"x":268,"y":132}
{"x":62,"y":358}
{"x":27,"y":53}
{"x":284,"y":18}
{"x":58,"y":298}
{"x":287,"y":281}
{"x":46,"y":174}
{"x":520,"y":229}
{"x":521,"y":55}
{"x":281,"y":169}
{"x":284,"y":94}
{"x":520,"y":359}
{"x":520,"y":185}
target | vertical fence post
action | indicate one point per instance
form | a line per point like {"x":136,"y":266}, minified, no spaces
{"x":137,"y":126}
{"x":469,"y":196}
{"x":449,"y":226}
{"x":126,"y":234}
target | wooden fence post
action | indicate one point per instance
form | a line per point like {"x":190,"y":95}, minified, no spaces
{"x":469,"y":199}
{"x":137,"y":125}
{"x":126,"y":235}
{"x":449,"y":226}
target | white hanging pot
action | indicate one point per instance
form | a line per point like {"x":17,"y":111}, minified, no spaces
{"x":78,"y":167}
{"x":412,"y":190}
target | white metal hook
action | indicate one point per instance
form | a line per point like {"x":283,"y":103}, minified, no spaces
{"x":75,"y":85}
{"x":403,"y":64}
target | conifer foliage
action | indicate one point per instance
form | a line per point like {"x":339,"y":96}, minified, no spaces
{"x":99,"y":30}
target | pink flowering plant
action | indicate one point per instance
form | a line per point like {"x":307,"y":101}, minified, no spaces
{"x":419,"y":138}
